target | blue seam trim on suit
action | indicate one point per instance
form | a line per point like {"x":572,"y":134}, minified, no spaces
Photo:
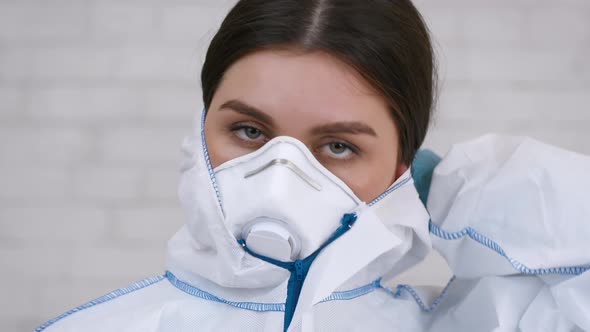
{"x":208,"y":160}
{"x":414,"y":294}
{"x":110,"y":296}
{"x":253,"y":306}
{"x":353,"y":293}
{"x":262,"y":307}
{"x":489,"y":243}
{"x":389,"y":191}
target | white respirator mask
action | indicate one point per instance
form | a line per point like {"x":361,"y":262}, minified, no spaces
{"x":281,"y":201}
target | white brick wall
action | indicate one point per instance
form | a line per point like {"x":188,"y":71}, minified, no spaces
{"x":96,"y":95}
{"x":512,"y":66}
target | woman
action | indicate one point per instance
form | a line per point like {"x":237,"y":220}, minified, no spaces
{"x":299,"y":196}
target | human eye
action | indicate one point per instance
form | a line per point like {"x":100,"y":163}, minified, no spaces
{"x":248,"y":133}
{"x":339,"y":150}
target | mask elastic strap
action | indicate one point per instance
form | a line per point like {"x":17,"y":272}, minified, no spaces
{"x":299,"y":268}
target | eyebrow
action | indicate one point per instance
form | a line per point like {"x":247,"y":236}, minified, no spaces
{"x":353,"y":127}
{"x":344,"y":128}
{"x":243,"y":108}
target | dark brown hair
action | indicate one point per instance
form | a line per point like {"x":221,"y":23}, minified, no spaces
{"x":386,"y":41}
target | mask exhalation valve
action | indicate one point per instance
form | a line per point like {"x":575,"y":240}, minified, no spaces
{"x":271,"y":238}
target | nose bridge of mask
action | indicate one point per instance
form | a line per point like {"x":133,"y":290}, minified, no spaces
{"x":281,"y":201}
{"x":284,"y":154}
{"x":289,"y":153}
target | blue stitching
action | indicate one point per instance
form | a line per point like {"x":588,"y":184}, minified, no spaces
{"x":110,"y":296}
{"x":353,"y":293}
{"x":208,"y":160}
{"x":410,"y":290}
{"x":487,"y":242}
{"x":263,"y":307}
{"x":253,"y":306}
{"x":389,"y":191}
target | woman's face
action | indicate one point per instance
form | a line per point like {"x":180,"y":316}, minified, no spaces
{"x":316,"y":99}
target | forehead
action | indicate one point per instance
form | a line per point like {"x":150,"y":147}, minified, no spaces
{"x":300,"y":85}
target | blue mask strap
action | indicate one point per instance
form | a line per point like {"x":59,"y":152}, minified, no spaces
{"x":299,"y":268}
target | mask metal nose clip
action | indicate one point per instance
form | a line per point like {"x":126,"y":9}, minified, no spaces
{"x":290,"y":165}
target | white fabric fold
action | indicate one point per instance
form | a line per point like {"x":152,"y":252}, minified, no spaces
{"x":500,"y":197}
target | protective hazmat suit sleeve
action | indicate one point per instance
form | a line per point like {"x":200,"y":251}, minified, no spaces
{"x":509,"y":214}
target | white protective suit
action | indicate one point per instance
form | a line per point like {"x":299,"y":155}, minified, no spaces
{"x":511,"y":217}
{"x":508,"y":214}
